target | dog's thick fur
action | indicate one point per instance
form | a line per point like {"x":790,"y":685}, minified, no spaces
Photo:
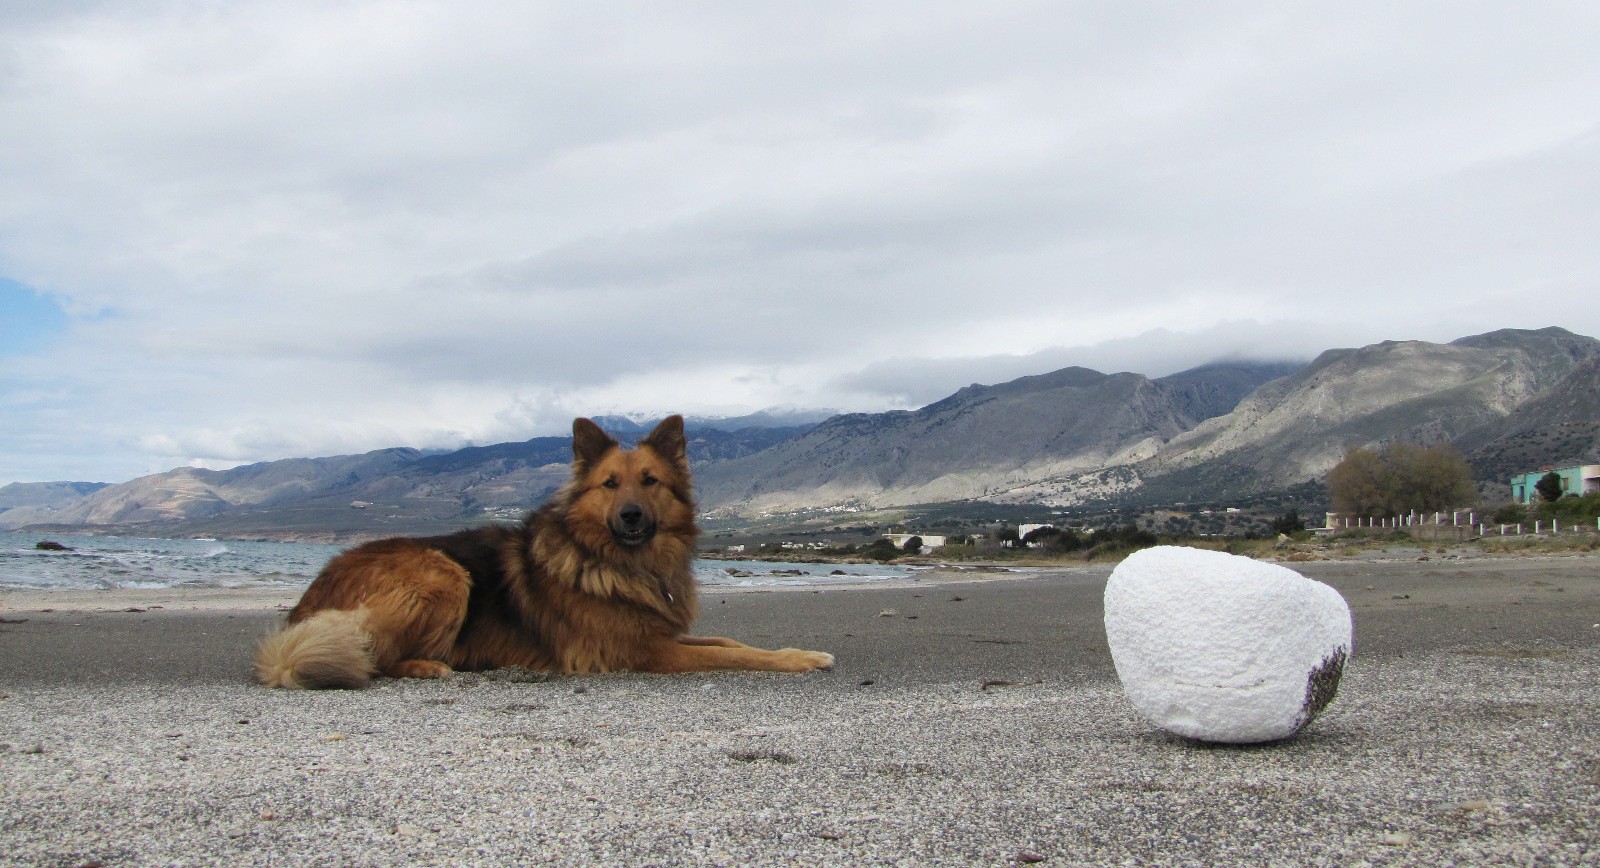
{"x":596,"y":580}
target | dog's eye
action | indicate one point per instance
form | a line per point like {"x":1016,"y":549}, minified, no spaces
{"x":610,"y":483}
{"x":649,"y":480}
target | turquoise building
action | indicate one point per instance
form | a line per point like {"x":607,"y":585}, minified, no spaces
{"x":1582,"y":479}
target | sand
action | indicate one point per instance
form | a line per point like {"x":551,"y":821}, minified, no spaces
{"x":972,"y":719}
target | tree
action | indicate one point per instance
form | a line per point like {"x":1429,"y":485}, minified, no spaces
{"x":1006,"y":535}
{"x":913,"y":546}
{"x":1399,"y":478}
{"x":1288,"y":523}
{"x":1042,"y":535}
{"x":881,"y":549}
{"x":1549,"y":487}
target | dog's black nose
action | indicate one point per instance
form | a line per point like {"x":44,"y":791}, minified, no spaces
{"x":631,"y":515}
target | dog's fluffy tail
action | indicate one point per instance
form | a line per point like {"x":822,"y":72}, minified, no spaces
{"x":329,"y":649}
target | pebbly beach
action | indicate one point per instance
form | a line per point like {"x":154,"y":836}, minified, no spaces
{"x":972,"y":718}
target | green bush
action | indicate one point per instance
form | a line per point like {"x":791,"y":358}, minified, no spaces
{"x":881,"y":550}
{"x":1511,"y":513}
{"x":1289,"y":523}
{"x":1572,"y":509}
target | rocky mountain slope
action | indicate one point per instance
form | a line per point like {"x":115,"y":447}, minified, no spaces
{"x":981,"y":442}
{"x":1075,"y":437}
{"x":32,"y":502}
{"x":1559,"y":427}
{"x":1294,"y":430}
{"x":351,"y":493}
{"x":1513,"y":400}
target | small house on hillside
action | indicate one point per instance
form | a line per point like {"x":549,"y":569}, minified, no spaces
{"x":1582,"y":479}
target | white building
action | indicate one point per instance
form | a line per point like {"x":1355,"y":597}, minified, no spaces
{"x":929,"y":541}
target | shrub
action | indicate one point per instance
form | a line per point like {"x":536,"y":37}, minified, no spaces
{"x":1399,"y":478}
{"x":1511,"y":513}
{"x":881,"y":550}
{"x":1289,"y":523}
{"x":1549,"y":486}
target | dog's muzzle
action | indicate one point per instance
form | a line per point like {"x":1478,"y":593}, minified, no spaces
{"x":631,"y":526}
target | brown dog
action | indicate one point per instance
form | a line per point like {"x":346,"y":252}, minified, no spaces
{"x":596,"y":580}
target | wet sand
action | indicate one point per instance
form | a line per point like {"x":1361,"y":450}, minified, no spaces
{"x":971,"y":719}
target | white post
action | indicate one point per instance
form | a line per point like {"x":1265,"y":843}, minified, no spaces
{"x":1555,"y":525}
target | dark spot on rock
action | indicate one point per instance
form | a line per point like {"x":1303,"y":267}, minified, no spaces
{"x":1322,"y":685}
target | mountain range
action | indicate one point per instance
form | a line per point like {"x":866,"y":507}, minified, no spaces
{"x":1511,"y":400}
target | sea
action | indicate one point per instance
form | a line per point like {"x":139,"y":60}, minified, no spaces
{"x":112,"y":562}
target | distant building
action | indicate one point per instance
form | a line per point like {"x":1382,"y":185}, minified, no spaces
{"x":929,"y":541}
{"x":1025,"y":529}
{"x":1582,"y":479}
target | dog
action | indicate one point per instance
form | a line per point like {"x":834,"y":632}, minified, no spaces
{"x":596,"y":580}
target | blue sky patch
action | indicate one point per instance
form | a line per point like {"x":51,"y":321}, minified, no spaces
{"x":29,"y":319}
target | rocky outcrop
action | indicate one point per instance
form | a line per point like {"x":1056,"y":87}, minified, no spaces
{"x":981,"y":442}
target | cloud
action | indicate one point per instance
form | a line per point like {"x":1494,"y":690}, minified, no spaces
{"x":915,"y":382}
{"x":304,"y":228}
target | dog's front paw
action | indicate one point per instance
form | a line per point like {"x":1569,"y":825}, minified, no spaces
{"x":800,"y":660}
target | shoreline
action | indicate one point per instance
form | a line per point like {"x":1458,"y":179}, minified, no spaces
{"x":30,"y":599}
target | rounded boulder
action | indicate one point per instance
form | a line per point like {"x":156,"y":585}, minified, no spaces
{"x":1222,"y":648}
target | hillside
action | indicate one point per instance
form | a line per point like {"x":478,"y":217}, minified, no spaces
{"x":382,"y":491}
{"x":1512,"y":400}
{"x":981,"y":442}
{"x":1560,"y":427}
{"x":1078,"y":437}
{"x":1293,"y":431}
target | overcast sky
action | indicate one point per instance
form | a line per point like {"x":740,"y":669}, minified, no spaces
{"x":233,"y":232}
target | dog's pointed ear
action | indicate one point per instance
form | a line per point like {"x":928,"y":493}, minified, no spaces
{"x":589,"y":442}
{"x":668,"y":440}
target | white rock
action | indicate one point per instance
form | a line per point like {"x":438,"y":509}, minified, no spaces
{"x":1222,"y":648}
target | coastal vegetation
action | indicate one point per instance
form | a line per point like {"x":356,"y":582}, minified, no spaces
{"x":1399,"y":478}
